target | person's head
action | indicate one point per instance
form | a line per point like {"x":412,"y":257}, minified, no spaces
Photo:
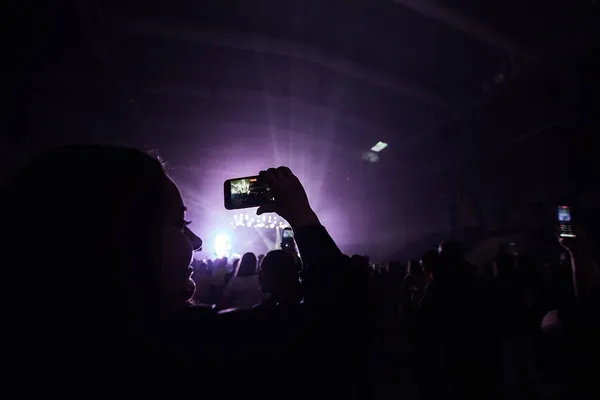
{"x":451,"y":250}
{"x":430,"y":261}
{"x":113,"y":203}
{"x":361,"y":261}
{"x":415,"y":268}
{"x":396,"y":268}
{"x":279,"y":276}
{"x":503,"y":266}
{"x":247,"y":265}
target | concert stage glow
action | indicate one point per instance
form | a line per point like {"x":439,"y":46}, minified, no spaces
{"x":244,"y":220}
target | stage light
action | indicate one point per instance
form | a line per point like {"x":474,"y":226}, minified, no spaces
{"x":248,"y":224}
{"x":235,"y":216}
{"x":222,"y":245}
{"x":379,"y":146}
{"x":246,"y":217}
{"x":271,"y":226}
{"x":264,"y":218}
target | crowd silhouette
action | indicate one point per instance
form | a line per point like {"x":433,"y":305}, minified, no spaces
{"x":121,"y":300}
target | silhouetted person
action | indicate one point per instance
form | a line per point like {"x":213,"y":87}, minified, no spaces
{"x":115,"y":281}
{"x":111,"y":226}
{"x":413,"y":287}
{"x":279,"y":279}
{"x":243,"y":290}
{"x":448,"y":328}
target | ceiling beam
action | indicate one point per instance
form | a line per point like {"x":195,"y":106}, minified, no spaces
{"x":283,"y":47}
{"x":466,"y":24}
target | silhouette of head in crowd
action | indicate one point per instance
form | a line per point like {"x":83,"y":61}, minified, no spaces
{"x":110,"y":225}
{"x":279,"y":276}
{"x":415,"y":268}
{"x":451,"y":250}
{"x":430,"y":261}
{"x":503,"y":266}
{"x":247,"y":266}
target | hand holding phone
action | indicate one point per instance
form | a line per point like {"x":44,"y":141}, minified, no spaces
{"x":275,"y":190}
{"x":290,"y":200}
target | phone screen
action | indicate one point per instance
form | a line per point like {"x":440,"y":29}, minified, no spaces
{"x":564,"y":222}
{"x":564,"y":214}
{"x":246,"y":192}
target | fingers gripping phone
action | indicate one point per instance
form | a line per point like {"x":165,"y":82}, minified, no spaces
{"x":246,"y":192}
{"x":565,"y":229}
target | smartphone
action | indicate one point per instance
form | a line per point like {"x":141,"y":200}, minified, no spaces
{"x":565,"y":228}
{"x":288,"y":233}
{"x":287,"y":241}
{"x":246,"y":192}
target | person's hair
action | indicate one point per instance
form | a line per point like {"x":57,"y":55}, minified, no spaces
{"x":452,"y":250}
{"x":503,"y":266}
{"x":415,"y":268}
{"x":247,"y":266}
{"x":430,"y":261}
{"x":75,"y":201}
{"x":279,"y":273}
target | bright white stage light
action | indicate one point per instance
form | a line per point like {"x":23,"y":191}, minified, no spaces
{"x":222,"y":245}
{"x":379,"y":146}
{"x":264,"y":221}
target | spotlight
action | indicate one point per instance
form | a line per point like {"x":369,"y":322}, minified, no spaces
{"x":379,"y":146}
{"x":222,"y":245}
{"x":271,"y":226}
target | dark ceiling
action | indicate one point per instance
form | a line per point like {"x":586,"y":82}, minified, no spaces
{"x":312,"y":84}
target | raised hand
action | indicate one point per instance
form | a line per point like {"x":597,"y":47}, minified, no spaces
{"x":290,"y":200}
